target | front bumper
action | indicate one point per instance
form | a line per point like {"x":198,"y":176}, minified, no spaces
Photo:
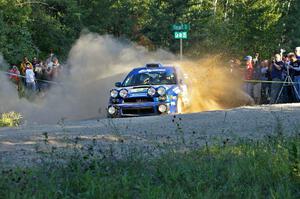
{"x":138,"y":109}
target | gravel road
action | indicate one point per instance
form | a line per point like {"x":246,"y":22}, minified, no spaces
{"x":27,"y":144}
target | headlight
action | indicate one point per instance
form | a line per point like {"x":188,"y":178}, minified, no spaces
{"x":114,"y":93}
{"x":161,"y":91}
{"x":112,"y":110}
{"x":151,"y":91}
{"x":123,"y":93}
{"x":162,"y":108}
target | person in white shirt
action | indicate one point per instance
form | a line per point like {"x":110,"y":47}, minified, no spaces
{"x":30,"y":79}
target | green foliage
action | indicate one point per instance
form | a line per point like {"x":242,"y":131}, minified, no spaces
{"x":252,"y":169}
{"x":291,"y":25}
{"x":10,"y":119}
{"x":15,"y":36}
{"x":54,"y":26}
{"x":231,"y":27}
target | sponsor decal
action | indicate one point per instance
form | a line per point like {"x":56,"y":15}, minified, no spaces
{"x":176,"y":90}
{"x":152,"y":70}
{"x":138,"y":90}
{"x":138,"y":95}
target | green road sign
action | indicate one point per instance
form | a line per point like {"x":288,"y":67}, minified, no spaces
{"x":181,"y":27}
{"x":180,"y":35}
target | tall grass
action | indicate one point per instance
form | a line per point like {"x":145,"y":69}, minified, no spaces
{"x":268,"y":168}
{"x":10,"y":119}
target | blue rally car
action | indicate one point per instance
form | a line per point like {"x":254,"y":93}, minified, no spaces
{"x":150,"y":90}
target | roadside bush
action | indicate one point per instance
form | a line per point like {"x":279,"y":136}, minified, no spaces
{"x":10,"y":119}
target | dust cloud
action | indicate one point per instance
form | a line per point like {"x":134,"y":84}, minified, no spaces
{"x":212,"y":85}
{"x":8,"y":94}
{"x":96,"y":62}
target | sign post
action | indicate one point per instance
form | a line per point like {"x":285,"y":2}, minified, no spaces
{"x":180,"y":49}
{"x":181,"y":32}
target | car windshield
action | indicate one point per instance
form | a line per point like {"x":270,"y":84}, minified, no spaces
{"x":151,"y":77}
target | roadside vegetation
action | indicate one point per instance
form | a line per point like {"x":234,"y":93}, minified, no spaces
{"x":10,"y":119}
{"x":269,"y":168}
{"x":235,"y":27}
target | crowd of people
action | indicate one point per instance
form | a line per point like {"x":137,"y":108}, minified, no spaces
{"x":267,"y":81}
{"x":36,"y":75}
{"x":271,"y":81}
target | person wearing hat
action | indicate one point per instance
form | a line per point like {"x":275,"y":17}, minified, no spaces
{"x":249,"y":70}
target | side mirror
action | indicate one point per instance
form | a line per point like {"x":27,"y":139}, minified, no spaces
{"x":118,"y":84}
{"x":180,"y":81}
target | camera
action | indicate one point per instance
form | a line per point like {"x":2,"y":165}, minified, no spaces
{"x":282,"y":50}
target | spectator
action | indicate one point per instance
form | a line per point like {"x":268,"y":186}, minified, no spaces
{"x":35,"y":62}
{"x":257,"y":76}
{"x":289,"y":62}
{"x":265,"y":86}
{"x":38,"y":72}
{"x":255,"y":60}
{"x":44,"y":68}
{"x":287,"y":92}
{"x":286,"y":61}
{"x":48,"y":71}
{"x":277,"y":73}
{"x":57,"y":69}
{"x":249,"y":76}
{"x":294,"y":68}
{"x":24,"y":64}
{"x":30,"y":78}
{"x":50,"y":57}
{"x":14,"y":75}
{"x":43,"y":85}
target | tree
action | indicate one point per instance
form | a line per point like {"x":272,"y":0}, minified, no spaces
{"x":55,"y":26}
{"x":234,"y":27}
{"x":290,"y":24}
{"x":15,"y":36}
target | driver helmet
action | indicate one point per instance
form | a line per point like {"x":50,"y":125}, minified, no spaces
{"x":144,"y":76}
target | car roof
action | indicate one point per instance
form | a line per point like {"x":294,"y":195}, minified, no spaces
{"x":161,"y":67}
{"x":153,"y":68}
{"x":147,"y":69}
